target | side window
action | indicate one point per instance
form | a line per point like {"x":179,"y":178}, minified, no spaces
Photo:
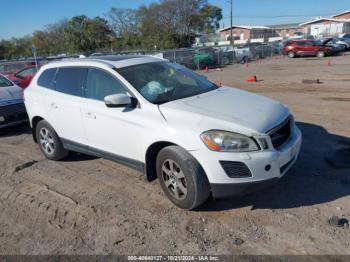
{"x":100,"y":84}
{"x":2,"y":68}
{"x":69,"y":80}
{"x":46,"y":78}
{"x":26,"y":72}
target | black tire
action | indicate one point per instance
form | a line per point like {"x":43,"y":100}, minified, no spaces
{"x":291,"y":54}
{"x":58,"y":152}
{"x":201,"y":65}
{"x":197,"y":184}
{"x":244,"y":60}
{"x":320,"y":54}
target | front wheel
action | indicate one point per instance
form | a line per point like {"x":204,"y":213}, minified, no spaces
{"x":321,"y":54}
{"x":182,"y":178}
{"x":291,"y":54}
{"x":49,"y":142}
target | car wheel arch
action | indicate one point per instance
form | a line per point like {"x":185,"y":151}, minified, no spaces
{"x":34,"y":122}
{"x":151,"y":158}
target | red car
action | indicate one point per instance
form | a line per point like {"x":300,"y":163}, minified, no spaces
{"x":14,"y":66}
{"x":306,"y":48}
{"x":23,"y":77}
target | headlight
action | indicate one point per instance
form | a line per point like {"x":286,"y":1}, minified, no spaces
{"x":222,"y":141}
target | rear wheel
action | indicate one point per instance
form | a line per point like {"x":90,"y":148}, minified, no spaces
{"x":182,"y":178}
{"x":320,"y":54}
{"x":291,"y":54}
{"x":49,"y":142}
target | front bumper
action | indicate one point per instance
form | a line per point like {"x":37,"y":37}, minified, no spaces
{"x":239,"y":189}
{"x":11,"y":115}
{"x":279,"y":162}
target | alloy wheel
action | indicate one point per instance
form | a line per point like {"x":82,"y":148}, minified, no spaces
{"x":46,"y":141}
{"x":174,"y":179}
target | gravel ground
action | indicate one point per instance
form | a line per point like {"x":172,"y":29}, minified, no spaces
{"x":85,"y":205}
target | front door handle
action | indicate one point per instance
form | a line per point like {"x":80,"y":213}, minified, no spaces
{"x":90,"y":115}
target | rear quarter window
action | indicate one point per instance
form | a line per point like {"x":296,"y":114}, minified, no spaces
{"x":69,"y":80}
{"x":46,"y":78}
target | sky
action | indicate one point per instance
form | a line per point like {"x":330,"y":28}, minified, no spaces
{"x":22,"y":17}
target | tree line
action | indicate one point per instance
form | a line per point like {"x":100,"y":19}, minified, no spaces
{"x":162,"y":25}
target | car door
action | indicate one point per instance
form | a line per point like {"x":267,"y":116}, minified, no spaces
{"x":301,"y":48}
{"x":113,"y":132}
{"x":63,"y":104}
{"x":311,"y":48}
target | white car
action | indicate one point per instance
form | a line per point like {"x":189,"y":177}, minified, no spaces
{"x":164,"y":120}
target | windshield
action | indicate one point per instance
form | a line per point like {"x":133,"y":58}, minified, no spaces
{"x":4,"y":82}
{"x":163,"y":82}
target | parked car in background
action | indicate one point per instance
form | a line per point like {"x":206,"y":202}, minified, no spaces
{"x":345,"y":36}
{"x":345,"y":41}
{"x":11,"y":67}
{"x":204,"y":57}
{"x":242,"y":54}
{"x":197,"y":138}
{"x":297,"y":48}
{"x":12,"y":109}
{"x":23,"y":77}
{"x":336,"y":43}
{"x":260,"y":50}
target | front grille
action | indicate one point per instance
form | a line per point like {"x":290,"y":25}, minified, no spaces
{"x":280,"y":134}
{"x":236,"y":169}
{"x":12,"y":109}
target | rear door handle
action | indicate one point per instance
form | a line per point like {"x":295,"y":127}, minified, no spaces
{"x":90,"y":115}
{"x":53,"y":105}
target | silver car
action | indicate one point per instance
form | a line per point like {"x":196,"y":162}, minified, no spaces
{"x":12,"y":109}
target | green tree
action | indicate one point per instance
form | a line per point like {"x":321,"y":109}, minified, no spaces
{"x":208,"y":19}
{"x":83,"y":34}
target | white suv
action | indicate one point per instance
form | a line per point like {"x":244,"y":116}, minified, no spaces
{"x":164,"y":120}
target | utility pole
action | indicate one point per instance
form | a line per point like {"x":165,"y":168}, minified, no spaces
{"x":231,"y":39}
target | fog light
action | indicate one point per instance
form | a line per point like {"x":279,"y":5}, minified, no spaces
{"x":268,"y":168}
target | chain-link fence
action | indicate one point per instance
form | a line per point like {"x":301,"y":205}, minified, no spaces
{"x":219,"y":56}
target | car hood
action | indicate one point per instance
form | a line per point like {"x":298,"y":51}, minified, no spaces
{"x":226,"y":109}
{"x":10,"y":95}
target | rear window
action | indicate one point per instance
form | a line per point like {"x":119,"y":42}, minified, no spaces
{"x":69,"y":80}
{"x":46,"y":78}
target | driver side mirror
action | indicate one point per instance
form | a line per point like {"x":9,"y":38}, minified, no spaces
{"x":120,"y":100}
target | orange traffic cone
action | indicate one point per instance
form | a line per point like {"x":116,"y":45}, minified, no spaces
{"x":252,"y":79}
{"x":206,"y":69}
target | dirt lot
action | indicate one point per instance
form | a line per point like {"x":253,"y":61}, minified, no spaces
{"x":85,"y":205}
